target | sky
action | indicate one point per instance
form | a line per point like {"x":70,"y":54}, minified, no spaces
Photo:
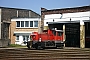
{"x":35,"y":5}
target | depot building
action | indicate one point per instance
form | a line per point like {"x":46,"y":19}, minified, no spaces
{"x":75,"y":23}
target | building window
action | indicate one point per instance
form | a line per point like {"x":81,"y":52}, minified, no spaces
{"x":31,"y":23}
{"x":25,"y":37}
{"x":18,"y":23}
{"x":35,"y":23}
{"x":22,"y":23}
{"x":17,"y":37}
{"x":26,"y":23}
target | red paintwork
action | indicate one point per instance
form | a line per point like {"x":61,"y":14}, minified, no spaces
{"x":46,"y":35}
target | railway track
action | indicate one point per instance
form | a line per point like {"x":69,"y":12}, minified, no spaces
{"x":47,"y":54}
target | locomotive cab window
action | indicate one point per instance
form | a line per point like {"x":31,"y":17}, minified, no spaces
{"x":54,"y":33}
{"x":59,"y":33}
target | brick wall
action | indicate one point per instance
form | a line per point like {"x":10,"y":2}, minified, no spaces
{"x":23,"y":13}
{"x":7,"y":14}
{"x":34,"y":15}
{"x":65,"y":10}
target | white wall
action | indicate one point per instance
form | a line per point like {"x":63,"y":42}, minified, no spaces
{"x":78,"y":16}
{"x":0,"y":23}
{"x":52,"y":16}
{"x":20,"y":39}
{"x":26,"y":19}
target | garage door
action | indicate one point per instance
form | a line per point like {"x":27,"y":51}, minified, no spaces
{"x":72,"y":32}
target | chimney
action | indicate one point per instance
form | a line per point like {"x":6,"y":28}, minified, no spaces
{"x":43,"y":9}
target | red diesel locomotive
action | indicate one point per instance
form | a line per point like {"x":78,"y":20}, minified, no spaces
{"x":48,"y":38}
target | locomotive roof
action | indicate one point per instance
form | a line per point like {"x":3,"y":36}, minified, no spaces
{"x":53,"y":30}
{"x":59,"y":30}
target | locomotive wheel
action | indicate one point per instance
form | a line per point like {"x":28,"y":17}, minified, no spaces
{"x":38,"y":47}
{"x":29,"y":45}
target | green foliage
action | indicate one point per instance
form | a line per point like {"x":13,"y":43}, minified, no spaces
{"x":15,"y":45}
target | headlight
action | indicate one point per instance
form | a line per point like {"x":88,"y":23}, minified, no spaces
{"x":40,"y":40}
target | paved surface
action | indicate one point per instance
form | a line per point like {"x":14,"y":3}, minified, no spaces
{"x":47,"y":54}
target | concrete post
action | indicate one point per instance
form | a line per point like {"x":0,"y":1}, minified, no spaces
{"x":82,"y":36}
{"x":64,"y":33}
{"x":39,"y":26}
